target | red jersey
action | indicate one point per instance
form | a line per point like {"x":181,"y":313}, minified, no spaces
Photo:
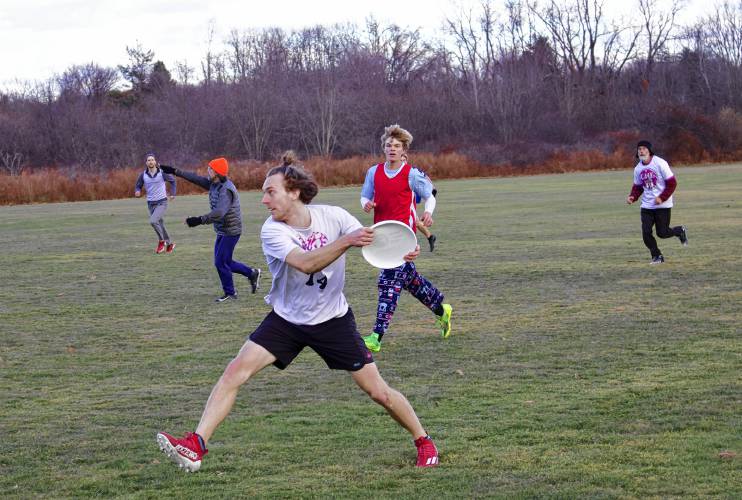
{"x":393,"y":197}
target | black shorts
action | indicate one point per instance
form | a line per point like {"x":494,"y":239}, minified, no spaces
{"x":337,"y":341}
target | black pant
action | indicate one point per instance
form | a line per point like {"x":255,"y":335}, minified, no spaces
{"x":659,"y":217}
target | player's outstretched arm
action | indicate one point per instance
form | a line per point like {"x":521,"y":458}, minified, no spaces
{"x":196,"y":179}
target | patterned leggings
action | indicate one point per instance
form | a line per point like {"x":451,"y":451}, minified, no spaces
{"x":391,"y":282}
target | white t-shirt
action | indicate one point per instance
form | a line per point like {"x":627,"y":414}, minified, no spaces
{"x":301,"y":298}
{"x":653,"y":176}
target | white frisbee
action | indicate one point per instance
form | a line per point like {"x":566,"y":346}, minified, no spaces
{"x":392,"y":241}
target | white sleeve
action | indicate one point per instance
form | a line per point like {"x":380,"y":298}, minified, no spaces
{"x":665,"y":169}
{"x":430,"y":205}
{"x":364,"y":200}
{"x":348,"y":223}
{"x":276,"y":241}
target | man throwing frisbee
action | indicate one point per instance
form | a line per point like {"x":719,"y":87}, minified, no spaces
{"x":389,"y":190}
{"x":305,"y":248}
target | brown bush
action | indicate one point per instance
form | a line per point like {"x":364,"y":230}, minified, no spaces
{"x":54,"y":185}
{"x":686,"y":147}
{"x":689,"y":135}
{"x":623,"y":141}
{"x":729,"y":123}
{"x":581,"y":160}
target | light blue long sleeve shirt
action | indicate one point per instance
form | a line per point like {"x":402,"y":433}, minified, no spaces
{"x":420,"y":184}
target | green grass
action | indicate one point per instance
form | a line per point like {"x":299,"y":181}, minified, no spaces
{"x":575,"y":369}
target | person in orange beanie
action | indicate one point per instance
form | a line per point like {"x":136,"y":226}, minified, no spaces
{"x":226,"y":217}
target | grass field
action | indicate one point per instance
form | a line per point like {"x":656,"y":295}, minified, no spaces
{"x":575,"y":369}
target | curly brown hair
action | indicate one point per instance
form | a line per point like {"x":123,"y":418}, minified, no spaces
{"x":397,"y":132}
{"x":295,"y":177}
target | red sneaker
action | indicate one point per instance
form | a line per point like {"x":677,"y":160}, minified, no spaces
{"x":160,"y":247}
{"x":185,"y":452}
{"x":427,"y":453}
{"x":170,"y":248}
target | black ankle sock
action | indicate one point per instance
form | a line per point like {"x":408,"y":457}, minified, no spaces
{"x":438,"y":310}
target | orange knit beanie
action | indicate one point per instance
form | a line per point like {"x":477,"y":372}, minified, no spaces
{"x":220,"y":166}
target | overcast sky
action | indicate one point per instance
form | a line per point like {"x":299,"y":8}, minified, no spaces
{"x":39,"y":38}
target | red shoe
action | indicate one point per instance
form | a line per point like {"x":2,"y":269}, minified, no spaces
{"x":170,"y":248}
{"x":160,"y":247}
{"x":185,"y":452}
{"x":427,"y":453}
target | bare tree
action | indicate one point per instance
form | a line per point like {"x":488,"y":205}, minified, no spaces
{"x":518,"y":31}
{"x":319,"y":123}
{"x":254,"y":114}
{"x":12,"y":162}
{"x":239,"y":55}
{"x":467,"y":41}
{"x":253,"y":53}
{"x":89,"y":80}
{"x":575,"y":28}
{"x":620,"y":47}
{"x":184,"y":72}
{"x":722,"y":36}
{"x":724,"y":33}
{"x":658,"y":24}
{"x":695,"y":62}
{"x":404,"y":52}
{"x":209,"y":66}
{"x":17,"y":134}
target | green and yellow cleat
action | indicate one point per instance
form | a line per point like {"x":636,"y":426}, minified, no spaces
{"x":444,"y":320}
{"x":373,"y":342}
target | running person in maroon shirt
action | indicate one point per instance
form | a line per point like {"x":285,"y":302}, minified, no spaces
{"x":389,"y":190}
{"x":655,"y":183}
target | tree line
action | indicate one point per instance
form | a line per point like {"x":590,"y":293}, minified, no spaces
{"x":502,"y":83}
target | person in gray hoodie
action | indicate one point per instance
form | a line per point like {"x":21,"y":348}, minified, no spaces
{"x":153,"y":181}
{"x":226,"y":217}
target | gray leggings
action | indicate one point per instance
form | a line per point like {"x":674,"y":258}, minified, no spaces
{"x":156,"y":213}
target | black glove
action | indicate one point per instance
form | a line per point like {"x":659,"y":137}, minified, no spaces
{"x":168,"y":169}
{"x":194,"y":221}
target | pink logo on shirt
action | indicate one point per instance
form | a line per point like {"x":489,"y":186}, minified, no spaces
{"x":313,"y":241}
{"x":648,"y":178}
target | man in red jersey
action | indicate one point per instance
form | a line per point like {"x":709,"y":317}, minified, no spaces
{"x":389,"y":190}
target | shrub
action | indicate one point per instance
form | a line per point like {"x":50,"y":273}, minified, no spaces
{"x":729,"y":124}
{"x":616,"y":151}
